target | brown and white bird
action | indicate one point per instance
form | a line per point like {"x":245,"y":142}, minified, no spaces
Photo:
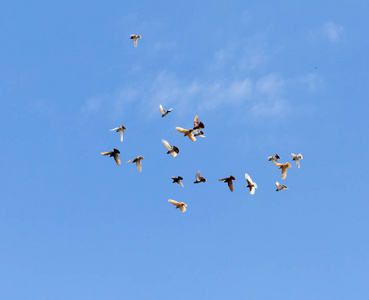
{"x":199,"y":178}
{"x":197,"y":124}
{"x":137,"y":160}
{"x":119,"y":129}
{"x":187,"y":132}
{"x":164,"y":112}
{"x":177,"y":180}
{"x":113,"y":153}
{"x":229,"y":180}
{"x":172,"y":150}
{"x":280,"y":187}
{"x":198,"y":132}
{"x":274,"y":159}
{"x":181,"y":206}
{"x":284,"y":168}
{"x":250,"y":184}
{"x":297,"y":158}
{"x":134,"y":38}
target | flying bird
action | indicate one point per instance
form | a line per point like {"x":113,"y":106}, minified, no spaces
{"x":199,"y":178}
{"x":280,"y":187}
{"x":198,"y":132}
{"x":197,"y":124}
{"x":172,"y":150}
{"x":229,"y":180}
{"x":297,"y":158}
{"x":134,"y":38}
{"x":181,"y":206}
{"x":137,"y":160}
{"x":113,"y":153}
{"x":164,"y":112}
{"x":177,"y":180}
{"x":119,"y":129}
{"x":274,"y":159}
{"x":284,"y":169}
{"x":187,"y":133}
{"x":250,"y":184}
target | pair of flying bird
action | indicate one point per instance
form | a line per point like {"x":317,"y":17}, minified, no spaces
{"x":115,"y":153}
{"x":195,"y":131}
{"x":250,"y":184}
{"x":199,"y":179}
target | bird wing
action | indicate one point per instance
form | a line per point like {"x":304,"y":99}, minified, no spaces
{"x":182,"y":207}
{"x":277,"y":184}
{"x":116,"y":128}
{"x":293,"y":155}
{"x":116,"y":158}
{"x":182,"y":130}
{"x":174,"y":202}
{"x":131,"y":160}
{"x":248,"y":179}
{"x":196,"y":121}
{"x":139,"y":165}
{"x":297,"y":163}
{"x":222,"y":179}
{"x":192,"y":137}
{"x":252,"y":190}
{"x":198,"y":176}
{"x":167,"y":145}
{"x":179,"y":182}
{"x":106,"y":153}
{"x":230,"y":185}
{"x":121,"y":135}
{"x":161,"y":109}
{"x":284,"y":171}
{"x":300,"y":156}
{"x":134,"y":41}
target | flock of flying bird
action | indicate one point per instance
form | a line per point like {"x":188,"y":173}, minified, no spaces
{"x":192,"y":133}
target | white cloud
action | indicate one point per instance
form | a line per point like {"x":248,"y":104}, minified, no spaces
{"x":332,"y":31}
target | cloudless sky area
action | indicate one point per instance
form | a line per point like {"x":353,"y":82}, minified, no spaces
{"x":265,"y":77}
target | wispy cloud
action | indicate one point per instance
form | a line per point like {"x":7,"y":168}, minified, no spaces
{"x":332,"y":31}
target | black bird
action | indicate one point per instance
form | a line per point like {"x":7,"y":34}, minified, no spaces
{"x":114,"y":153}
{"x":177,"y":180}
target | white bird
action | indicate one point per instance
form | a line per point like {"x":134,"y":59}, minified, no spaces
{"x":119,"y":129}
{"x":280,"y":187}
{"x":134,"y":38}
{"x":187,"y":132}
{"x":274,"y":159}
{"x":250,"y":184}
{"x":181,"y":206}
{"x":137,"y":160}
{"x":164,"y":112}
{"x":297,"y":158}
{"x":172,"y":150}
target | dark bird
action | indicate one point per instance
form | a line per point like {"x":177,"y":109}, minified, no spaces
{"x":137,"y":160}
{"x":177,"y":180}
{"x":187,"y":133}
{"x":134,"y":38}
{"x":164,"y":112}
{"x":197,"y":124}
{"x":172,"y":150}
{"x":121,"y":130}
{"x":181,"y":206}
{"x":229,"y":180}
{"x":113,"y":153}
{"x":199,"y":178}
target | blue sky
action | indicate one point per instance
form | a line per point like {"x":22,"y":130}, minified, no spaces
{"x":264,"y":77}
